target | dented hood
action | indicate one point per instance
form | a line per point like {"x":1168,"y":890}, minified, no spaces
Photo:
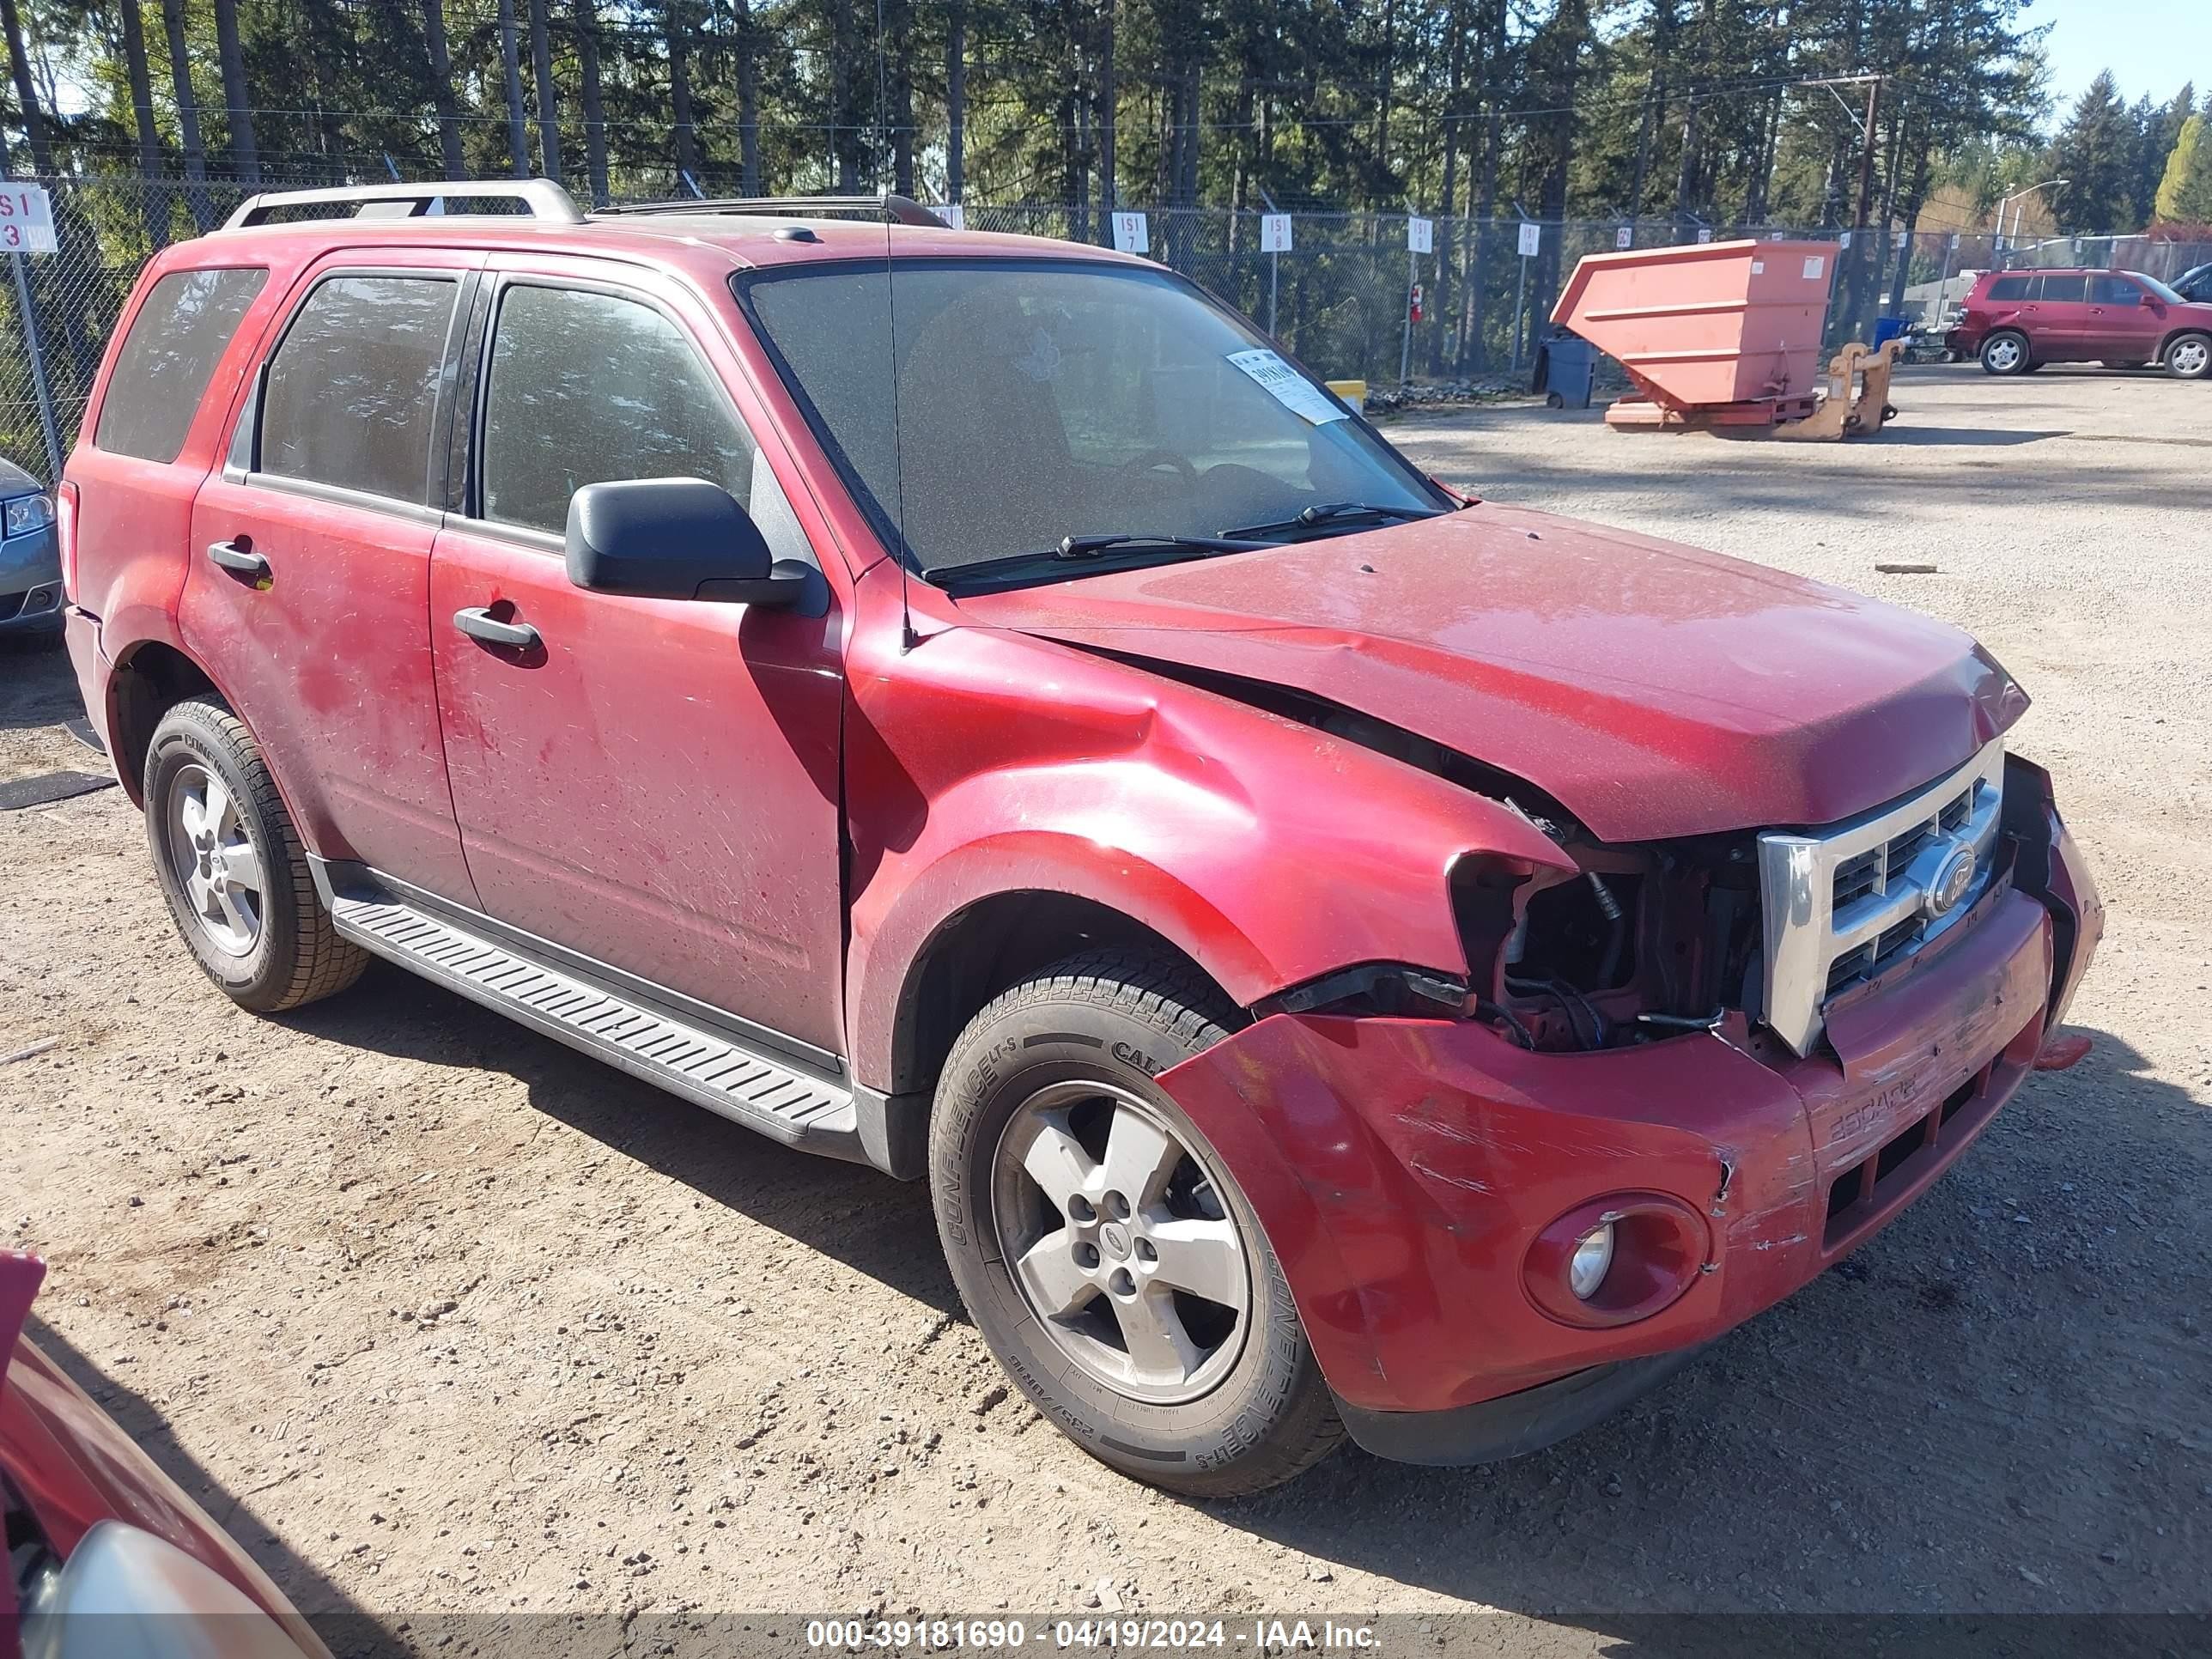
{"x":1654,"y":690}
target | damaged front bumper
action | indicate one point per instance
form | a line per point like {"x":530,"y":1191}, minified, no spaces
{"x":1409,"y":1172}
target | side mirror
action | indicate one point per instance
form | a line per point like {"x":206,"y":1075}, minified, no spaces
{"x":2150,"y":299}
{"x":676,"y":538}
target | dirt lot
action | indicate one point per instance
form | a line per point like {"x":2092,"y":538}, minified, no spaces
{"x":438,"y":1316}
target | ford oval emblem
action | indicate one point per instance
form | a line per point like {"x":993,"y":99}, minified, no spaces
{"x":1953,"y":878}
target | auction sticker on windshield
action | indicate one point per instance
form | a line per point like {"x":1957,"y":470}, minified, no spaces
{"x":1289,"y":387}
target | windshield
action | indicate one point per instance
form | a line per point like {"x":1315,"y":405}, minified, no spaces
{"x":1040,"y":403}
{"x":2159,"y":288}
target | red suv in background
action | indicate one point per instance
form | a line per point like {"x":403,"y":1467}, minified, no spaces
{"x":2015,"y":321}
{"x":1345,"y":957}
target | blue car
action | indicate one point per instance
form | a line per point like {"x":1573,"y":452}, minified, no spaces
{"x":30,"y":561}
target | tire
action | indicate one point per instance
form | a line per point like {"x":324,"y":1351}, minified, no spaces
{"x":2005,"y":352}
{"x":2189,"y":357}
{"x":1046,"y":1076}
{"x":213,"y":815}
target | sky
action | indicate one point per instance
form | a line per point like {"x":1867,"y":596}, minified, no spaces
{"x":2151,"y":46}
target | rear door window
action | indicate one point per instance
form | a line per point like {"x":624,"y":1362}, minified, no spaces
{"x":586,"y":387}
{"x":352,"y":390}
{"x":2064,"y":288}
{"x":168,"y":359}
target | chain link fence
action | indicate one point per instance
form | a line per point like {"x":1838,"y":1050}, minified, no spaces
{"x":1342,"y":297}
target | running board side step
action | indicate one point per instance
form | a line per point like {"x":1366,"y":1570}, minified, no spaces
{"x":748,"y":1085}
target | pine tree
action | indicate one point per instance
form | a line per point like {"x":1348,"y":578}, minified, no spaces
{"x":2095,"y":153}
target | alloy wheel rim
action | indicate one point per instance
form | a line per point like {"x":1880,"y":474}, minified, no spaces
{"x":215,"y":861}
{"x":2005,"y":354}
{"x":2189,"y":359}
{"x":1115,"y":1231}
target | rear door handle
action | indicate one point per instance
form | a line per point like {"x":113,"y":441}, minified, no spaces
{"x":240,"y":558}
{"x":478,"y":623}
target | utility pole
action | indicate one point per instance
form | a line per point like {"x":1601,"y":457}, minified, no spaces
{"x":1866,"y":152}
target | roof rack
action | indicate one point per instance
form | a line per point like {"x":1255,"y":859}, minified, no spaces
{"x":899,"y":209}
{"x":540,"y":199}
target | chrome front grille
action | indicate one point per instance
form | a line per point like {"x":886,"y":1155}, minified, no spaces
{"x":1841,"y":904}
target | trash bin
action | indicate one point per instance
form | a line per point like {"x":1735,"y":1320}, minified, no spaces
{"x":1716,"y":323}
{"x":1566,"y":365}
{"x":1886,"y":329}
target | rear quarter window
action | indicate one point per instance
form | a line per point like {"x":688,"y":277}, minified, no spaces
{"x":168,"y":358}
{"x":2008,"y":290}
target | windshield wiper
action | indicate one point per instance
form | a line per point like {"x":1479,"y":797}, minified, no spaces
{"x":1088,"y":547}
{"x":1334,"y":512}
{"x":1136,"y":544}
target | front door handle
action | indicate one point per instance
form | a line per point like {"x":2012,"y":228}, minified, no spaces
{"x":478,"y":623}
{"x":240,"y":558}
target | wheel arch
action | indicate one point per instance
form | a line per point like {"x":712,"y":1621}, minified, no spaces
{"x":991,"y":941}
{"x":148,"y":679}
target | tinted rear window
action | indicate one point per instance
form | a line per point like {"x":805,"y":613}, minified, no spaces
{"x":2064,"y":288}
{"x":168,"y":359}
{"x":352,"y":389}
{"x":2009,"y":289}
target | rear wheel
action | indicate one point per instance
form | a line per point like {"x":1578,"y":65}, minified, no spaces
{"x":231,"y":866}
{"x":1104,"y":1251}
{"x":2005,"y":352}
{"x":2189,"y":357}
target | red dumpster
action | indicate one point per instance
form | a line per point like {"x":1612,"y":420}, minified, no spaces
{"x":1720,"y":333}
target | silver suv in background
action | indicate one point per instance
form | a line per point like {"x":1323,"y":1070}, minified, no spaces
{"x":30,"y":562}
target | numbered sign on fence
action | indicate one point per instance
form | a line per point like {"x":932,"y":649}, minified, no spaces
{"x":1624,"y":238}
{"x":954,"y":216}
{"x":1705,"y":235}
{"x":1903,"y":241}
{"x":27,"y":220}
{"x":1131,"y":235}
{"x":1844,"y":240}
{"x":1420,"y":234}
{"x":1275,"y":232}
{"x":1532,"y":240}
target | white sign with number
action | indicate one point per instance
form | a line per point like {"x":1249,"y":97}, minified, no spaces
{"x":1624,"y":238}
{"x":1844,"y":240}
{"x":1275,"y":232}
{"x":1420,"y":234}
{"x":27,"y":220}
{"x":954,"y":214}
{"x":1532,"y":240}
{"x":1954,"y":242}
{"x":1705,"y":235}
{"x":1904,"y":240}
{"x":1131,"y":235}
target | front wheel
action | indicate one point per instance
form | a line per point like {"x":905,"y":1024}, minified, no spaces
{"x":2005,"y":354}
{"x":1105,"y":1253}
{"x":2189,"y":357}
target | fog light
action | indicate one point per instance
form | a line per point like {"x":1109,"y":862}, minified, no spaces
{"x":1586,"y":1268}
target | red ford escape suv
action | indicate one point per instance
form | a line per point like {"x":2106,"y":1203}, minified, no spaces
{"x":2015,"y":321}
{"x":1347,"y":958}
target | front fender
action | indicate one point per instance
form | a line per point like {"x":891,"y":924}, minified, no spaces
{"x":987,"y":761}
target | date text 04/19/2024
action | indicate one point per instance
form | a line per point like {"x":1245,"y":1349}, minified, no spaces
{"x":1125,"y":1635}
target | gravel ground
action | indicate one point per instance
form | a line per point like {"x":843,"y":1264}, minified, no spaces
{"x":439,"y":1318}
